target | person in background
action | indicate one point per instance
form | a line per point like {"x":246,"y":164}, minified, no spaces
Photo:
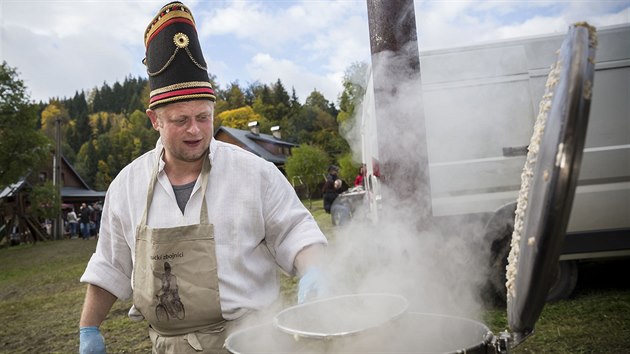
{"x":185,"y":202}
{"x":95,"y":218}
{"x":73,"y":222}
{"x":358,"y":181}
{"x":84,"y":218}
{"x":331,"y":187}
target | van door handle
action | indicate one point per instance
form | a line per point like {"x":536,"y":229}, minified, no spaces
{"x":511,"y":151}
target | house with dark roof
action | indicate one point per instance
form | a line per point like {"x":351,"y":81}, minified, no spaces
{"x":268,"y":146}
{"x":14,"y":199}
{"x":74,"y":190}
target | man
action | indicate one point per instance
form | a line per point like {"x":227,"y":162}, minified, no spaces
{"x":225,"y":219}
{"x":73,"y":221}
{"x":331,"y":187}
{"x":84,"y":218}
{"x":169,"y":295}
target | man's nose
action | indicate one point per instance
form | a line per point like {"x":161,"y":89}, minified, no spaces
{"x":193,"y":127}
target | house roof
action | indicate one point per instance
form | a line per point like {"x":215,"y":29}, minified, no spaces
{"x":249,"y":141}
{"x":76,"y":174}
{"x":13,"y":188}
{"x":79,"y":193}
{"x":71,"y":193}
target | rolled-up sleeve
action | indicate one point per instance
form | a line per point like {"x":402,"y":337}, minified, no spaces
{"x":111,"y":265}
{"x":289,"y":226}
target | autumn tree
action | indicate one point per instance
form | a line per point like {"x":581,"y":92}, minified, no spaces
{"x":238,"y":118}
{"x":55,"y":111}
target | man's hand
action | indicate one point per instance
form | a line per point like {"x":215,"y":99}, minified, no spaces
{"x":311,"y":285}
{"x":91,"y":341}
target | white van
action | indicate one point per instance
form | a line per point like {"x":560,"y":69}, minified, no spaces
{"x":480,"y":104}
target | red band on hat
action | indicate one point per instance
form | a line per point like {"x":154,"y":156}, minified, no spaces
{"x":168,"y":23}
{"x":183,"y":92}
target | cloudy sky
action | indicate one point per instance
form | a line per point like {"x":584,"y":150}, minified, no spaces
{"x":63,"y":46}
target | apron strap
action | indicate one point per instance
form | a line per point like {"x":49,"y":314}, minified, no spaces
{"x":205,"y":172}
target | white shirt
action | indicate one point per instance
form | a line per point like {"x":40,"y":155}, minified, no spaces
{"x":72,"y":217}
{"x":259,"y":223}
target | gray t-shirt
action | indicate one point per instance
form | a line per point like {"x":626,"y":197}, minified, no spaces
{"x":182,"y":194}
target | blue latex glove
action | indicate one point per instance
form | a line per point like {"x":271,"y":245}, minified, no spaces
{"x":311,"y":285}
{"x":91,"y":341}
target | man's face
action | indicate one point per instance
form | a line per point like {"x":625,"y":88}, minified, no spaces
{"x":185,"y":129}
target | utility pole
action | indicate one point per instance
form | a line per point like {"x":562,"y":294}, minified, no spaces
{"x":58,"y":222}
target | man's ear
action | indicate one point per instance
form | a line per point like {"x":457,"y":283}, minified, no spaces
{"x":153,"y":117}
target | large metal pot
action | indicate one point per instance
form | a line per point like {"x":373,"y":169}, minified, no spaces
{"x":340,"y":316}
{"x":412,"y":333}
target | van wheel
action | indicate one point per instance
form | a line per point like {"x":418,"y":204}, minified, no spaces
{"x":498,"y":234}
{"x":500,"y":250}
{"x":564,"y":282}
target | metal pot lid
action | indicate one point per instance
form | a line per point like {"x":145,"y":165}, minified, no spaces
{"x":340,"y":315}
{"x":549,"y":180}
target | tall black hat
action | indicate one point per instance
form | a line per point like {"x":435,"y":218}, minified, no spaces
{"x":174,"y":60}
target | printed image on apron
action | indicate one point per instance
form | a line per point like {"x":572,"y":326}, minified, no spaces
{"x":169,"y":304}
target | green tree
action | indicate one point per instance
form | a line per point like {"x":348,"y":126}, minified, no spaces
{"x":305,"y":166}
{"x":317,"y":125}
{"x":45,"y":203}
{"x":77,"y":132}
{"x":234,"y":97}
{"x":87,"y":162}
{"x":22,"y":146}
{"x":280,"y":103}
{"x":354,"y":86}
{"x":348,"y":168}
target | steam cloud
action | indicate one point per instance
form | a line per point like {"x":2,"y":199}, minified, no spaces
{"x":439,"y":268}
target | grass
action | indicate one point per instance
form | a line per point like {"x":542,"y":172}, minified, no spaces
{"x":41,"y":299}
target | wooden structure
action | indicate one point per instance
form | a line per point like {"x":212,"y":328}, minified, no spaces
{"x":17,"y":225}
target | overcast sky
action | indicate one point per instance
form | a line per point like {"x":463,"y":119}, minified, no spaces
{"x":63,"y":46}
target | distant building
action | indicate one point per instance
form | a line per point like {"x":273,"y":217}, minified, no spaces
{"x":268,"y":146}
{"x":74,"y":190}
{"x":14,"y":199}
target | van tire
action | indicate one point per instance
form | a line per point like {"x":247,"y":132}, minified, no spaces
{"x":498,"y":234}
{"x":564,"y":282}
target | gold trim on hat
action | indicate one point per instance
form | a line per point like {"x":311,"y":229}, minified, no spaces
{"x":180,"y":86}
{"x":170,"y":60}
{"x":185,"y":97}
{"x":158,"y":21}
{"x":181,"y":40}
{"x":194,"y":61}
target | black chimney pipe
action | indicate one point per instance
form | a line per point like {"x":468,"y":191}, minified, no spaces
{"x":400,"y":122}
